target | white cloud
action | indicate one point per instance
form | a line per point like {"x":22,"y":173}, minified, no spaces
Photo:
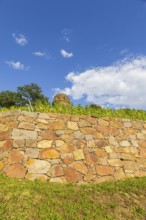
{"x":16,"y":65}
{"x":20,"y":39}
{"x":66,"y":54}
{"x":39,"y":53}
{"x":121,"y":84}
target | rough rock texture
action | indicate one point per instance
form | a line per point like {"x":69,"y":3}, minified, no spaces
{"x":67,"y":148}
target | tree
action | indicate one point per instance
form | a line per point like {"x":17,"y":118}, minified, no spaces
{"x":9,"y":98}
{"x":31,"y":93}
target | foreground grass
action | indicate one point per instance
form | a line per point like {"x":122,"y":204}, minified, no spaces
{"x":26,"y":200}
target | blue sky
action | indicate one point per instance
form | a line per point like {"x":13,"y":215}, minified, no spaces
{"x":94,"y":51}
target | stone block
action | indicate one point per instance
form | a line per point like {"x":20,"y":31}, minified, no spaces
{"x":49,"y":153}
{"x":72,"y":125}
{"x":44,"y":144}
{"x":15,"y":170}
{"x":23,"y":134}
{"x":91,"y":158}
{"x":72,"y":175}
{"x":38,"y":166}
{"x":80,"y":167}
{"x":16,"y":156}
{"x":104,"y":170}
{"x":79,"y":154}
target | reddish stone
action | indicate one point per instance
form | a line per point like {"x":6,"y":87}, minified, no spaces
{"x":104,"y":130}
{"x":72,"y":175}
{"x":68,"y":159}
{"x":5,"y":135}
{"x":102,"y":143}
{"x":48,"y":135}
{"x":142,"y":143}
{"x":143,"y":152}
{"x":16,"y":171}
{"x":104,"y":170}
{"x":15,"y":156}
{"x":7,"y":146}
{"x":57,"y":170}
{"x":91,"y":158}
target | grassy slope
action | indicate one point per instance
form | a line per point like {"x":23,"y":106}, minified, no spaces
{"x":21,"y":199}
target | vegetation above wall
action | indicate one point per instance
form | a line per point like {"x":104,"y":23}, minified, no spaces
{"x":80,"y":110}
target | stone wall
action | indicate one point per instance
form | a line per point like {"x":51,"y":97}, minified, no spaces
{"x":67,"y":148}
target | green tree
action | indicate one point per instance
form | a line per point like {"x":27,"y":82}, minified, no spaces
{"x":31,"y":93}
{"x":9,"y":98}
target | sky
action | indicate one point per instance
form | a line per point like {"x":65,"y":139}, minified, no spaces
{"x":92,"y":50}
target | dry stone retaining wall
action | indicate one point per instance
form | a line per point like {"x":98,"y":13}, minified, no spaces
{"x":67,"y":148}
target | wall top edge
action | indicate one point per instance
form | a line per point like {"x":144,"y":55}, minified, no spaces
{"x":51,"y":115}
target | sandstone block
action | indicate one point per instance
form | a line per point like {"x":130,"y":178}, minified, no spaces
{"x":23,"y":134}
{"x":87,"y":130}
{"x":84,"y":123}
{"x":49,"y":153}
{"x":66,"y":148}
{"x":47,"y":135}
{"x":97,"y":135}
{"x":115,"y":162}
{"x":56,"y":171}
{"x":38,"y":166}
{"x":91,"y":158}
{"x":78,"y":135}
{"x":124,"y":143}
{"x":72,"y":125}
{"x":59,"y":143}
{"x":58,"y":180}
{"x":26,"y":126}
{"x":26,"y":118}
{"x":101,"y":153}
{"x":104,"y":170}
{"x":72,"y":175}
{"x":31,"y":143}
{"x":44,"y":144}
{"x":32,"y":152}
{"x":19,"y":143}
{"x":103,"y":122}
{"x":57,"y":126}
{"x":16,"y":156}
{"x":67,"y":158}
{"x":1,"y":165}
{"x":15,"y":171}
{"x":79,"y":154}
{"x":5,"y":135}
{"x":80,"y":167}
{"x":142,"y":143}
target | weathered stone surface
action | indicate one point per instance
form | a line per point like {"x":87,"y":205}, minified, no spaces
{"x":91,"y":158}
{"x":102,"y":143}
{"x":129,"y":165}
{"x":4,"y":128}
{"x":67,"y":158}
{"x":1,"y":165}
{"x":56,"y":171}
{"x":44,"y":116}
{"x":66,"y":148}
{"x":84,"y":123}
{"x":59,"y":143}
{"x":125,"y":143}
{"x":26,"y":118}
{"x":31,"y":143}
{"x":19,"y":143}
{"x":47,"y":135}
{"x":119,"y":174}
{"x":16,"y":156}
{"x":104,"y":170}
{"x":91,"y":144}
{"x":78,"y":135}
{"x":72,"y":125}
{"x":5,"y":135}
{"x":26,"y":126}
{"x":115,"y":162}
{"x":57,"y":126}
{"x":38,"y":166}
{"x":49,"y":153}
{"x":116,"y":124}
{"x":24,"y":134}
{"x":87,"y":130}
{"x":89,"y":137}
{"x":103,"y":122}
{"x":104,"y":179}
{"x":80,"y":167}
{"x":32,"y":152}
{"x":101,"y":153}
{"x":142,"y":143}
{"x":6,"y":146}
{"x":137,"y":124}
{"x":44,"y":144}
{"x":127,"y":124}
{"x":15,"y":170}
{"x":72,"y":175}
{"x":97,"y":135}
{"x":106,"y":131}
{"x":143,"y":152}
{"x":79,"y":154}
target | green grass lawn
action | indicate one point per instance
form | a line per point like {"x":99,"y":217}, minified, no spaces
{"x":22,"y":199}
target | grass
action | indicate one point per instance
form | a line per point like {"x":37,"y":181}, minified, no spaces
{"x":87,"y":110}
{"x":26,"y":200}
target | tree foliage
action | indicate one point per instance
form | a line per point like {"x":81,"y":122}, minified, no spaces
{"x":24,"y":95}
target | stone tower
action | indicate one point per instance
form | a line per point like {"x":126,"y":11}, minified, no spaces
{"x":61,"y":99}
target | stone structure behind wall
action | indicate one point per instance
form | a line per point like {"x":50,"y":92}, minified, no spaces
{"x":67,"y":148}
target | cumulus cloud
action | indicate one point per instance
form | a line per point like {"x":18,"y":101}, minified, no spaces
{"x":123,"y":84}
{"x":20,"y":39}
{"x":66,"y":54}
{"x":16,"y":65}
